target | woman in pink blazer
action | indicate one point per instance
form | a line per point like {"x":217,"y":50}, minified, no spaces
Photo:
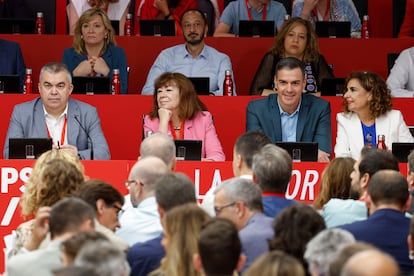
{"x":367,"y":114}
{"x":178,"y":112}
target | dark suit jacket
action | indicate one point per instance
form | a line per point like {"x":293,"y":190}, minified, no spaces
{"x":12,"y":62}
{"x":314,"y":121}
{"x":28,"y":121}
{"x":387,"y":229}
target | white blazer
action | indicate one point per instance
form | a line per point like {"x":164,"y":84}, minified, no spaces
{"x":349,"y":137}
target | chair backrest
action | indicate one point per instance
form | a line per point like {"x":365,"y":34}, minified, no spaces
{"x":391,"y":57}
{"x":49,"y":13}
{"x":207,"y":8}
{"x":398,"y":13}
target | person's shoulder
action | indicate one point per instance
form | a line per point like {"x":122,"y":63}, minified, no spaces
{"x":276,"y":4}
{"x":9,"y":44}
{"x":28,"y":105}
{"x":263,"y":100}
{"x":81,"y":105}
{"x":214,"y":51}
{"x":315,"y":101}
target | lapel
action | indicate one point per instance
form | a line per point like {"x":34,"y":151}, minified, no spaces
{"x":39,"y":121}
{"x":356,"y":128}
{"x":275,"y":119}
{"x":73,"y":126}
{"x":302,"y":117}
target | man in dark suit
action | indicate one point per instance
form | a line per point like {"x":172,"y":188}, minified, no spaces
{"x":387,"y":227}
{"x":73,"y":125}
{"x":290,"y":115}
{"x":12,"y":62}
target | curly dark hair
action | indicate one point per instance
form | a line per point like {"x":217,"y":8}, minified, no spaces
{"x":371,"y":82}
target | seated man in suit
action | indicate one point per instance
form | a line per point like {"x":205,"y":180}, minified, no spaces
{"x":387,"y":227}
{"x":292,"y":116}
{"x":73,"y":125}
{"x":12,"y":62}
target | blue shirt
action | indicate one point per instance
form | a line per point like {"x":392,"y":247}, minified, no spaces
{"x":289,"y":123}
{"x":210,"y":63}
{"x":236,"y":11}
{"x":114,"y":57}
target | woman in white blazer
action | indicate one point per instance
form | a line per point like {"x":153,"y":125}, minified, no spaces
{"x":367,"y":114}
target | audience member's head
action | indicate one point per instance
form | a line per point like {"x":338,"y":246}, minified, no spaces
{"x":194,"y":17}
{"x":104,"y":258}
{"x":219,"y":248}
{"x":272,"y":169}
{"x":388,"y":188}
{"x":343,"y":255}
{"x":410,"y":170}
{"x":294,"y":227}
{"x":321,"y":249}
{"x":173,"y":189}
{"x":144,"y":177}
{"x":371,"y":263}
{"x":245,"y":147}
{"x":70,"y":216}
{"x":69,"y":248}
{"x":237,"y":199}
{"x":335,"y":181}
{"x":275,"y":263}
{"x":189,"y":105}
{"x":86,"y":18}
{"x":105,"y":199}
{"x":181,"y":233}
{"x":373,"y":85}
{"x":55,"y":175}
{"x":159,"y":145}
{"x":309,"y":48}
{"x":371,"y":161}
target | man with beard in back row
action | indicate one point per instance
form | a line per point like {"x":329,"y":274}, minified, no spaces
{"x":193,"y":58}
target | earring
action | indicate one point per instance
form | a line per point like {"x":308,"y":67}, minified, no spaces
{"x":411,"y":255}
{"x":81,"y":36}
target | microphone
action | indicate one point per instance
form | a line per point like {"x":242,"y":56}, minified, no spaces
{"x":87,"y":134}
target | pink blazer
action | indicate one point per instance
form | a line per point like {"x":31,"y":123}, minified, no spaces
{"x":201,"y":127}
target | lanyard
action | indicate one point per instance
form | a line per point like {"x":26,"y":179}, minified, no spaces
{"x":250,"y":15}
{"x":62,"y":137}
{"x":315,"y":11}
{"x":181,"y":137}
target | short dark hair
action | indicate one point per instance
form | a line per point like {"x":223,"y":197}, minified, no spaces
{"x":202,"y":14}
{"x":95,"y":189}
{"x":410,"y":160}
{"x":219,"y":246}
{"x":290,"y":63}
{"x":68,"y":215}
{"x":174,"y":189}
{"x":250,"y":143}
{"x":373,"y":160}
{"x":388,"y":187}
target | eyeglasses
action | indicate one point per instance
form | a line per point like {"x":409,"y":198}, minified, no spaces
{"x":120,"y":210}
{"x":128,"y":183}
{"x":218,"y":209}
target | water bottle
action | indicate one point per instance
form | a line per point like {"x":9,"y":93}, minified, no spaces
{"x":381,"y":142}
{"x":128,"y":25}
{"x":28,"y":82}
{"x":116,"y":82}
{"x":228,"y":84}
{"x":365,"y":27}
{"x":40,"y":23}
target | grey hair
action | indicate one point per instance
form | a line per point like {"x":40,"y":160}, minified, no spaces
{"x":55,"y":68}
{"x":160,"y":145}
{"x":241,"y":189}
{"x":321,"y":249}
{"x":104,"y":258}
{"x":272,"y":166}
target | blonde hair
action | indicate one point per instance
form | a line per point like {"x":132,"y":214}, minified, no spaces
{"x":87,"y":16}
{"x":44,"y":187}
{"x":183,"y":225}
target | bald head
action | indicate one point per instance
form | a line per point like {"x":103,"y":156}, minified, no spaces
{"x":145,"y":173}
{"x":159,"y":145}
{"x":370,"y":263}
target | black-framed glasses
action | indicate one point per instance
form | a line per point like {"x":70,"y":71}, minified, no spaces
{"x":120,"y":211}
{"x":218,"y":209}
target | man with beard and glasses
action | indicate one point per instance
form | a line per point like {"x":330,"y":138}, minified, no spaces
{"x":193,"y":58}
